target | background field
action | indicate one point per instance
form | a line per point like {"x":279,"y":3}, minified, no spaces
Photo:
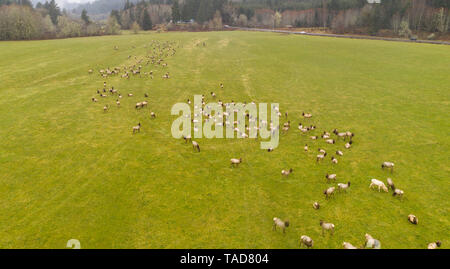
{"x":68,"y":170}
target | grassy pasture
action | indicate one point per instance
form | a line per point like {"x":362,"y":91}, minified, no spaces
{"x":68,"y":170}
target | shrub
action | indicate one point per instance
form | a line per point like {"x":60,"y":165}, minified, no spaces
{"x":135,"y":28}
{"x":404,"y":29}
{"x":19,"y":22}
{"x":68,"y":27}
{"x":112,"y":27}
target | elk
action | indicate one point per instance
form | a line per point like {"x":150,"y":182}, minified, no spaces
{"x":348,"y":145}
{"x":330,"y":177}
{"x":334,"y":160}
{"x":286,"y":172}
{"x":281,"y":224}
{"x":390,"y":184}
{"x":187,"y":138}
{"x":137,"y":128}
{"x":347,"y":245}
{"x":196,"y":146}
{"x":327,"y":226}
{"x":372,"y":242}
{"x":398,"y":192}
{"x":379,"y":184}
{"x":306,"y":115}
{"x":321,"y":156}
{"x":434,"y":245}
{"x":236,"y":162}
{"x":388,"y":165}
{"x":316,"y":205}
{"x":343,"y":187}
{"x":328,"y":192}
{"x":306,"y":240}
{"x":413,"y":219}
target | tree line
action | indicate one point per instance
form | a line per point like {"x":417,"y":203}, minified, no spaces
{"x":398,"y":17}
{"x":19,"y":20}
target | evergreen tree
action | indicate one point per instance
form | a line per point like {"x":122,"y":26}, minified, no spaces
{"x":176,"y":16}
{"x":127,"y":5}
{"x":204,"y":11}
{"x":146,"y":21}
{"x":85,"y":17}
{"x":53,"y":11}
{"x":116,"y":14}
{"x":17,"y":2}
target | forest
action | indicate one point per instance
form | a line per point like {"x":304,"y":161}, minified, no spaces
{"x":404,"y":18}
{"x":427,"y":19}
{"x":19,"y":20}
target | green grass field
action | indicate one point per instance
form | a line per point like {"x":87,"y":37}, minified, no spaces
{"x":69,"y":170}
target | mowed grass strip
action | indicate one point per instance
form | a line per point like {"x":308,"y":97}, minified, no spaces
{"x":69,"y":170}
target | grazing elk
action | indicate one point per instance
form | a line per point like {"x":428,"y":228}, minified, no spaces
{"x":187,"y":138}
{"x":390,"y":184}
{"x":379,"y":184}
{"x":196,"y":146}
